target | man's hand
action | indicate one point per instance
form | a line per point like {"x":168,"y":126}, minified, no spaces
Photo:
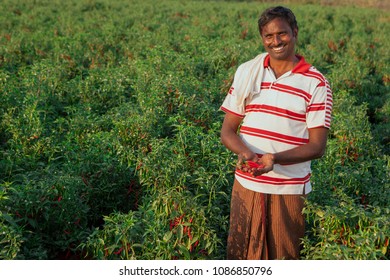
{"x":267,"y":161}
{"x":256,"y":166}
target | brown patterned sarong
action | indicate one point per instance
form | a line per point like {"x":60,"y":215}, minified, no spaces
{"x":265,"y":226}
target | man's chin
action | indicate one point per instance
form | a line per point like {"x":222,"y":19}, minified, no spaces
{"x":284,"y":55}
{"x":278,"y":56}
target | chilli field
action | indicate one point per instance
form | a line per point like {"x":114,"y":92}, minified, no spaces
{"x":110,"y":121}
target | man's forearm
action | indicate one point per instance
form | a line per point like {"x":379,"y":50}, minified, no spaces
{"x":312,"y":150}
{"x":235,"y":144}
{"x":300,"y":154}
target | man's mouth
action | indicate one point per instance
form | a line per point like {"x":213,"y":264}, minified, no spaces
{"x":278,"y":49}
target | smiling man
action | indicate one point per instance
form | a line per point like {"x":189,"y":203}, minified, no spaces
{"x":277,"y":116}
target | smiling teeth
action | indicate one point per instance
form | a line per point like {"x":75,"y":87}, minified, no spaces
{"x":278,"y":49}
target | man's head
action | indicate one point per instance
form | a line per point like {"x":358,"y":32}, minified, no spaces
{"x":278,"y":12}
{"x":279,"y":30}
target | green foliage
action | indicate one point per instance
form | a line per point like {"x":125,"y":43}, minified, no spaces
{"x":10,"y":232}
{"x":347,"y":232}
{"x":109,"y":128}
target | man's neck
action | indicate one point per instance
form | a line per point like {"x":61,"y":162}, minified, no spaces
{"x":281,"y":67}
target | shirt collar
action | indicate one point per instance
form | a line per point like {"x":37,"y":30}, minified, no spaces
{"x":301,"y":67}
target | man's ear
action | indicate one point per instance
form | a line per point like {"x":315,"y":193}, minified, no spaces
{"x":295,"y":32}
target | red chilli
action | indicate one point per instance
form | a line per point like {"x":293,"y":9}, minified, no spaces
{"x":119,"y":251}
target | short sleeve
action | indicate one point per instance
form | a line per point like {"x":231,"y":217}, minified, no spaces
{"x":319,"y":110}
{"x":235,"y":99}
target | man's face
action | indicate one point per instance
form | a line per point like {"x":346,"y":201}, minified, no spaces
{"x":279,"y":39}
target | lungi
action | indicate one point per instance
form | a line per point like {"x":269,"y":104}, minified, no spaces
{"x":265,"y":226}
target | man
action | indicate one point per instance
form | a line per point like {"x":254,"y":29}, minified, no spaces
{"x":281,"y":106}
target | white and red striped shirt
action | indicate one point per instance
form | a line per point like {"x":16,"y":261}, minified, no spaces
{"x":277,"y":114}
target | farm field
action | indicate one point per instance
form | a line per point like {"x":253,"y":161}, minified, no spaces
{"x":110,"y":121}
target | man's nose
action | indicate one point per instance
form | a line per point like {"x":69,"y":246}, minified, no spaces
{"x":276,"y":40}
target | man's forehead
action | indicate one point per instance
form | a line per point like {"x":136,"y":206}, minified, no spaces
{"x":276,"y":25}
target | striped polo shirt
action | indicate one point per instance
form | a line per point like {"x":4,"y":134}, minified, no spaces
{"x":277,"y":114}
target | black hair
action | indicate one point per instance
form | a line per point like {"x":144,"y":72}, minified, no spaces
{"x":277,"y":12}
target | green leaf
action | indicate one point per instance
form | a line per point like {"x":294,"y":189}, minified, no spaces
{"x":179,"y":233}
{"x":167,"y":236}
{"x":184,"y":251}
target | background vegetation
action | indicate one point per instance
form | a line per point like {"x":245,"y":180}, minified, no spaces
{"x":109,"y":127}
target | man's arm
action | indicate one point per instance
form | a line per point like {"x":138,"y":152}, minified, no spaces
{"x":232,"y":141}
{"x":312,"y":150}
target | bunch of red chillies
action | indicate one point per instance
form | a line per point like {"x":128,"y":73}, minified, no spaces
{"x":251,"y":167}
